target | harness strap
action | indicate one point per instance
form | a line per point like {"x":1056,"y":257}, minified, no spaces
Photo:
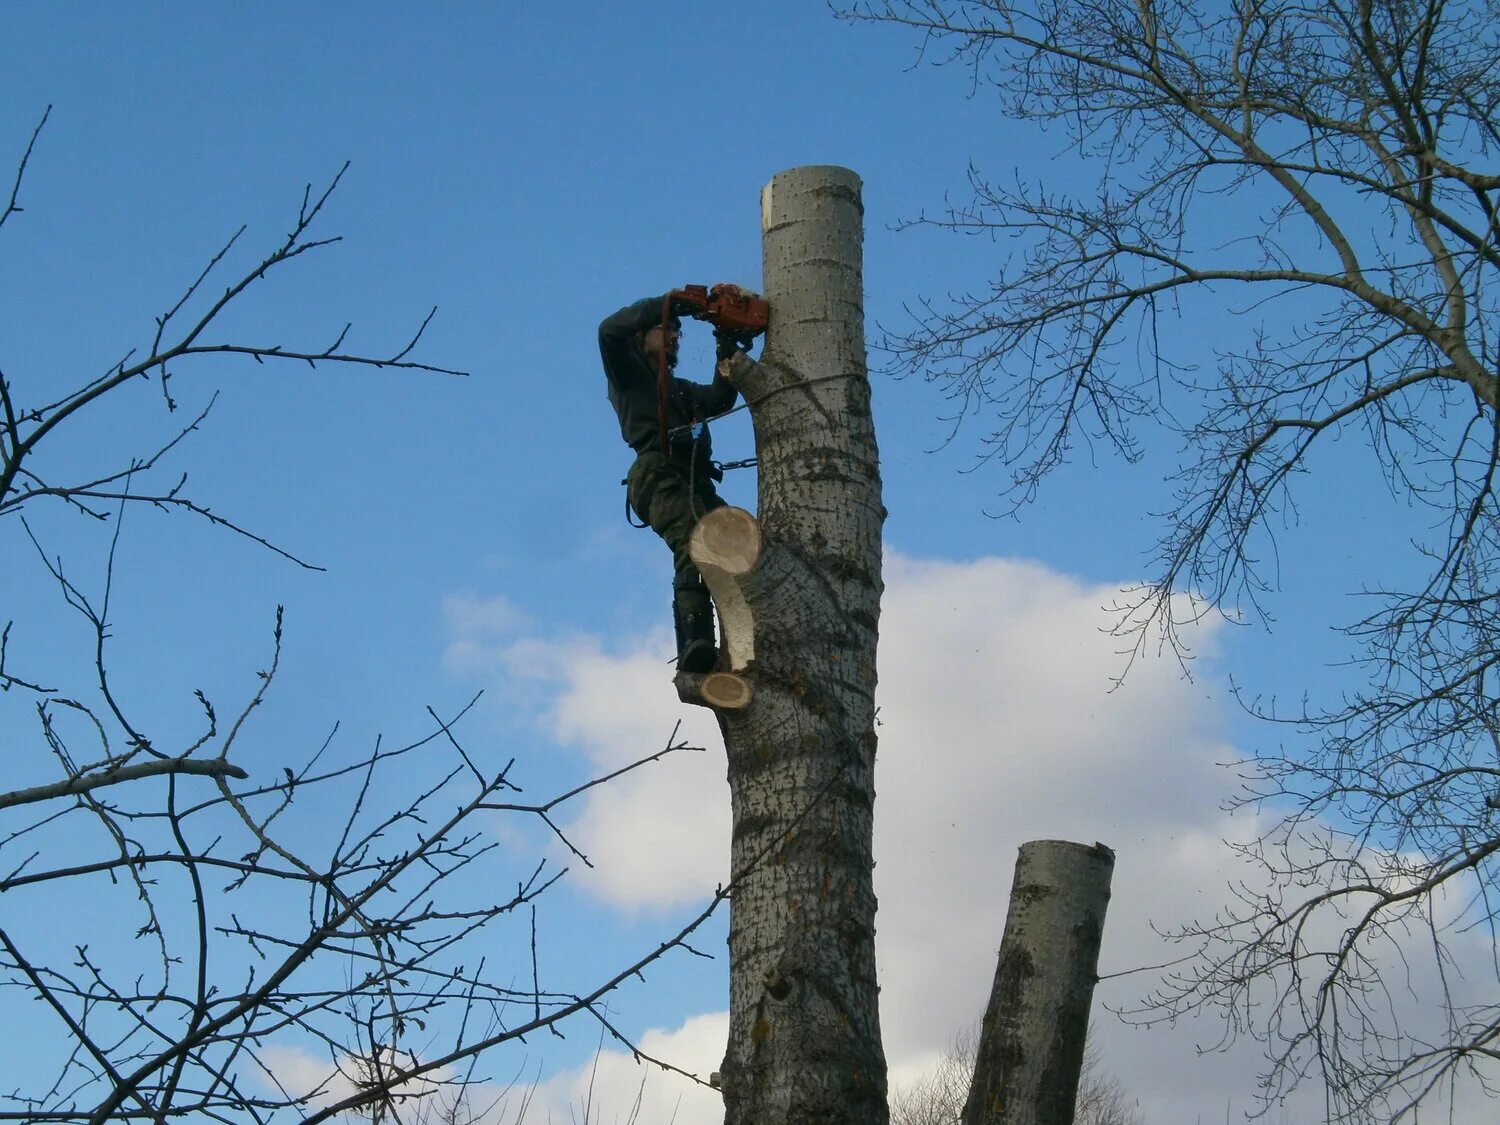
{"x":629,"y":513}
{"x":661,"y":378}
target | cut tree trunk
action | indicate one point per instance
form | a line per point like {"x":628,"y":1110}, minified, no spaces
{"x":799,"y":589}
{"x":1031,"y":1042}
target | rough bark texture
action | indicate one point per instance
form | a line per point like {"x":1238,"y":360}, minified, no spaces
{"x":1031,"y":1042}
{"x":804,"y":1029}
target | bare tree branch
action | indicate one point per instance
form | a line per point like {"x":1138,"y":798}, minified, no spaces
{"x":354,"y":890}
{"x":159,"y":767}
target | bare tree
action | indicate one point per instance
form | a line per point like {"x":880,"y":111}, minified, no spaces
{"x":797,"y":588}
{"x":252,"y":896}
{"x":1327,"y":171}
{"x":798,"y":591}
{"x":1029,"y":1062}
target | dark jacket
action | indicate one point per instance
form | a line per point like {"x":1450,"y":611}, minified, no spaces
{"x":632,"y":386}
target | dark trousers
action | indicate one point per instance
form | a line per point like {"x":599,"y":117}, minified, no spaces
{"x":670,"y":495}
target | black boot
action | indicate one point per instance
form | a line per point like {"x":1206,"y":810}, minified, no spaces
{"x":693,"y":613}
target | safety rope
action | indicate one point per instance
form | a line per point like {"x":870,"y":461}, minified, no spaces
{"x":698,"y":510}
{"x":629,"y":513}
{"x":662,"y":384}
{"x":698,"y":428}
{"x":675,"y":430}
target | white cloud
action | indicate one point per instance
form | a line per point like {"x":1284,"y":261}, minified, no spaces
{"x":613,"y":1088}
{"x":470,"y":615}
{"x":301,"y":1074}
{"x":616,"y":708}
{"x":659,"y":836}
{"x":618,"y":1089}
{"x":998,"y":726}
{"x":319,"y":1080}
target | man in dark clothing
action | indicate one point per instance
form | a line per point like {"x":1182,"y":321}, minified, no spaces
{"x":670,"y":489}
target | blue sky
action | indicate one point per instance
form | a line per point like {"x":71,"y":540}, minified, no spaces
{"x":528,"y":169}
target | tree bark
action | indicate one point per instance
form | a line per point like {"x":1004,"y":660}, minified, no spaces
{"x":804,"y":1029}
{"x":1031,"y":1042}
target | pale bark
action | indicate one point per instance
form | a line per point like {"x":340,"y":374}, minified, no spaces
{"x":118,"y":775}
{"x":804,"y":1036}
{"x":1032,"y":1039}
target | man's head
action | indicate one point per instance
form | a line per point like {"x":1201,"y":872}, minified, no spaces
{"x":659,"y":336}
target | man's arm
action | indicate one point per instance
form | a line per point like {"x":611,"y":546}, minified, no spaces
{"x":714,"y":398}
{"x":617,"y":333}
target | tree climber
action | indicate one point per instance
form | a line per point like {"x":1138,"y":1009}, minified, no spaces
{"x":671,"y":484}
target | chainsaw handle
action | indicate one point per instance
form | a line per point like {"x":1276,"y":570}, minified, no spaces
{"x":690,"y":300}
{"x":724,"y":306}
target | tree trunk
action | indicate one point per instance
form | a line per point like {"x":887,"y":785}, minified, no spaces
{"x":1031,"y":1043}
{"x":801,"y":609}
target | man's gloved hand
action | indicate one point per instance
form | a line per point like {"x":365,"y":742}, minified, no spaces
{"x":684,"y":303}
{"x":727,"y":341}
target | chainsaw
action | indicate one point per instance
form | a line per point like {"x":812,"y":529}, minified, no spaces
{"x":733,"y":311}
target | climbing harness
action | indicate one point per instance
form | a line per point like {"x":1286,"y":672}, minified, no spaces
{"x":719,"y":467}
